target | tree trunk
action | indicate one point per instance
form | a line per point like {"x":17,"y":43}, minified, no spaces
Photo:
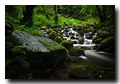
{"x":91,"y":12}
{"x":27,"y":19}
{"x":56,"y":14}
{"x":104,"y":8}
{"x":99,"y":13}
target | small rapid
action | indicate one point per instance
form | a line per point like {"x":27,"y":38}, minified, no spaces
{"x":92,"y":56}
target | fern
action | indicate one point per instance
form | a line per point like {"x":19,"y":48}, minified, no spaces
{"x":8,"y":61}
{"x":20,"y":58}
{"x":17,"y":49}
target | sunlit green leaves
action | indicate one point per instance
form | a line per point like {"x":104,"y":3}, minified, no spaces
{"x":17,"y":49}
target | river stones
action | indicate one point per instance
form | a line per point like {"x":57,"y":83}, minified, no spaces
{"x":108,"y":45}
{"x":76,"y":52}
{"x":40,"y":51}
{"x":82,"y":72}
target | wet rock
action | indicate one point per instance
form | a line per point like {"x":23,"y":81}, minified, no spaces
{"x":108,"y":45}
{"x":81,"y":40}
{"x":67,"y":44}
{"x":82,"y":72}
{"x":40,"y":51}
{"x":76,"y":52}
{"x":58,"y":39}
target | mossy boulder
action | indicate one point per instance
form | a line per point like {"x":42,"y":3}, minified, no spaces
{"x":40,"y":51}
{"x":76,"y":52}
{"x":67,"y":44}
{"x":108,"y":44}
{"x":82,"y":72}
{"x":97,"y":41}
{"x":96,"y":37}
{"x":52,"y":34}
{"x":103,"y":34}
{"x":58,"y":39}
{"x":87,"y":30}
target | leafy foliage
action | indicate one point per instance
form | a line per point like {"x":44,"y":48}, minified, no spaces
{"x":17,"y":49}
{"x":7,"y":62}
{"x":18,"y":55}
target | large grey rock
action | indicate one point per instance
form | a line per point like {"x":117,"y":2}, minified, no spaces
{"x":40,"y":51}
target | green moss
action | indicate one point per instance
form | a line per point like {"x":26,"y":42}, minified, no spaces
{"x":106,"y":43}
{"x":67,"y":43}
{"x":96,"y":37}
{"x":97,"y":41}
{"x":58,"y":39}
{"x":76,"y":52}
{"x":43,"y":27}
{"x":45,"y":43}
{"x":110,"y":49}
{"x":52,"y":34}
{"x":40,"y":41}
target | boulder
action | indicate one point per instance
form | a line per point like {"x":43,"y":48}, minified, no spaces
{"x":67,"y":44}
{"x":80,"y":39}
{"x":40,"y":51}
{"x":76,"y":52}
{"x":108,"y":44}
{"x":58,"y":39}
{"x":82,"y":72}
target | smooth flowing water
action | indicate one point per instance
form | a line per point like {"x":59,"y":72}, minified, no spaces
{"x":98,"y":59}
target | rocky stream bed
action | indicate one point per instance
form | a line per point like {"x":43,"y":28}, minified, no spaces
{"x":102,"y":63}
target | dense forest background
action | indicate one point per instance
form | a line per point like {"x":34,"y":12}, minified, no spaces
{"x":32,"y":18}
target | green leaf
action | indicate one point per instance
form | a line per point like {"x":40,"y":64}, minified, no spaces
{"x":21,"y":60}
{"x":17,"y":49}
{"x":7,"y":62}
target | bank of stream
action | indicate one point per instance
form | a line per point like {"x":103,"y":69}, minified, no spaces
{"x":103,"y":62}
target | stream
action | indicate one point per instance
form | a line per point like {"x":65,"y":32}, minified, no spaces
{"x":102,"y":61}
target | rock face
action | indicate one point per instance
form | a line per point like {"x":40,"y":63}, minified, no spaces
{"x":83,"y":72}
{"x":40,"y":51}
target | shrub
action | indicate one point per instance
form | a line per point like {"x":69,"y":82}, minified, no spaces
{"x":58,"y":39}
{"x":67,"y":44}
{"x":18,"y":55}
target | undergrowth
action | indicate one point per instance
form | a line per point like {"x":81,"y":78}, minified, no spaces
{"x":17,"y":55}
